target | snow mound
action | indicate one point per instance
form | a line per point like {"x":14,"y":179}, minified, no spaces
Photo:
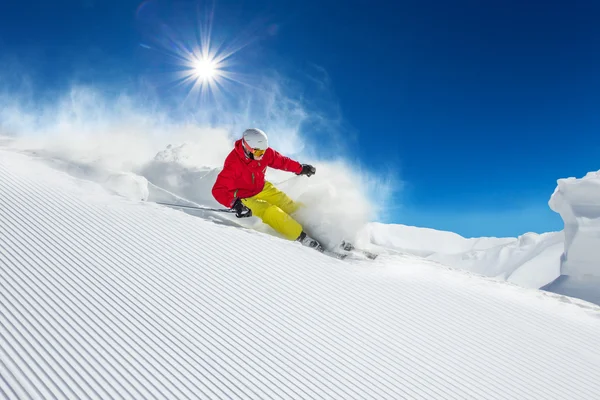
{"x":531,"y":260}
{"x":578,"y":203}
{"x":128,"y":185}
{"x":178,"y":170}
{"x":426,"y":242}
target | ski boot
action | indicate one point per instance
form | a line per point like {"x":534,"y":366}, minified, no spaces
{"x":307,"y":241}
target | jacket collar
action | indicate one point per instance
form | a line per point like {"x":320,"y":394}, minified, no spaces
{"x":239,"y":149}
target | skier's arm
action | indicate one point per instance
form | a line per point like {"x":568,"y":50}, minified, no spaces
{"x":284,"y":163}
{"x":224,"y":190}
{"x":279,"y":161}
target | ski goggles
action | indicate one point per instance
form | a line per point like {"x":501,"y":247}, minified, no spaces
{"x":257,"y":153}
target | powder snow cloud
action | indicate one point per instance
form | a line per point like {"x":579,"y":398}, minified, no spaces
{"x":121,"y":138}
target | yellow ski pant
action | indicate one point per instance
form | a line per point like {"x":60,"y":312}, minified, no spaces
{"x":274,"y":207}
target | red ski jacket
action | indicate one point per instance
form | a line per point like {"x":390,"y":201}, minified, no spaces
{"x":244,"y":177}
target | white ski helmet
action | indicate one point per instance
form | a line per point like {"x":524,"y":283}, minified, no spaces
{"x":255,"y":142}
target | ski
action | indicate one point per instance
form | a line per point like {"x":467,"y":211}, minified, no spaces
{"x":347,"y":251}
{"x":349,"y":247}
{"x":335,"y":254}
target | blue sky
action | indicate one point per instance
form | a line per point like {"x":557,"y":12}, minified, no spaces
{"x":478,"y":107}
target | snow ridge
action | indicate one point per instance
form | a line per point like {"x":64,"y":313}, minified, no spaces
{"x":578,"y":203}
{"x":103,"y":297}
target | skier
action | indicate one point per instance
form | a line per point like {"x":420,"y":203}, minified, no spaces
{"x":241,"y":186}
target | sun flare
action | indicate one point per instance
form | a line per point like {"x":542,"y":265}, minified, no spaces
{"x":203,"y":66}
{"x":206,"y":69}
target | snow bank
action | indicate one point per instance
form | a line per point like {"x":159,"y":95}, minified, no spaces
{"x":531,"y":260}
{"x":566,"y":262}
{"x":578,"y":203}
{"x":426,"y":242}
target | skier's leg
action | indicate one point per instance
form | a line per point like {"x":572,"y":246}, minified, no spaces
{"x":274,"y":208}
{"x":278,"y":198}
{"x":274,"y":216}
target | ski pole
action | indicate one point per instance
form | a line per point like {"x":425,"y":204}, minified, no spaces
{"x":226,"y":210}
{"x":284,"y":181}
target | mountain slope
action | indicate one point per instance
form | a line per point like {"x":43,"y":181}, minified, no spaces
{"x":107,"y":298}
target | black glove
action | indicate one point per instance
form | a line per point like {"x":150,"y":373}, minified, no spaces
{"x":307,"y":170}
{"x":241,"y":211}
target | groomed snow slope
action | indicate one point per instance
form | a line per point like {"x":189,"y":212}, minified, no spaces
{"x":107,"y":298}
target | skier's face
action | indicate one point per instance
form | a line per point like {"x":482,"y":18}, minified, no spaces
{"x":257,"y":154}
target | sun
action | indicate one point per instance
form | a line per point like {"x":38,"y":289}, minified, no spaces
{"x":205,"y":69}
